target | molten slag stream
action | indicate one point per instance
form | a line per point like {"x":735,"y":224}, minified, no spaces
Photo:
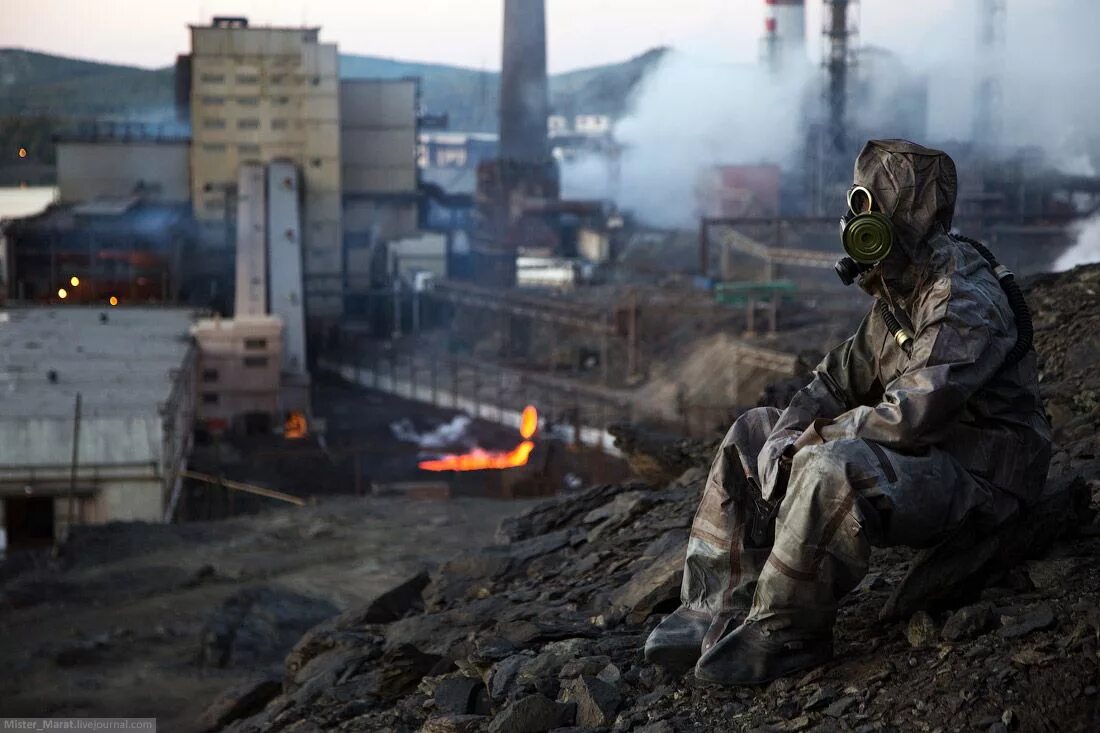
{"x":480,"y":460}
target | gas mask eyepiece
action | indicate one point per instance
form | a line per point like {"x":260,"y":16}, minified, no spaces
{"x":866,"y":235}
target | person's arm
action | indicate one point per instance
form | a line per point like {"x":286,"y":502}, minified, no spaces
{"x":960,"y":345}
{"x":845,"y":378}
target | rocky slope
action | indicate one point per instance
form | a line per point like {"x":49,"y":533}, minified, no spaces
{"x":544,"y":630}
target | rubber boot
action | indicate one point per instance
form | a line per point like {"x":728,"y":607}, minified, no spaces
{"x":754,"y":655}
{"x":677,"y":641}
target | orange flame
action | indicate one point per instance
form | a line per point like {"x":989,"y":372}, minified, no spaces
{"x":480,"y":460}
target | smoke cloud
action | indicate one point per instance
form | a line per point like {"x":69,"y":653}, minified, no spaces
{"x":698,"y":109}
{"x":693,"y":113}
{"x":1087,"y":248}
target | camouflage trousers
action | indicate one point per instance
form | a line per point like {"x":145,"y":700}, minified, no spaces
{"x":791,"y":562}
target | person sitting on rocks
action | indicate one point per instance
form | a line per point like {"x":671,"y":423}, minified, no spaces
{"x":924,"y":418}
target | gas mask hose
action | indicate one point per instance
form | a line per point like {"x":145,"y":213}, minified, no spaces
{"x":896,"y":329}
{"x":1025,"y":330}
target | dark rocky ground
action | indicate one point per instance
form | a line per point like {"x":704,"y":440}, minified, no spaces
{"x":544,"y":630}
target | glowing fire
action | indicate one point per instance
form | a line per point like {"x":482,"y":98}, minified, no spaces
{"x":480,"y":460}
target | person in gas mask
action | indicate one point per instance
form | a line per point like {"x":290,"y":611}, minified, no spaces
{"x":927,"y":416}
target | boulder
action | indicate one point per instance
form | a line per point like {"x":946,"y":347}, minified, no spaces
{"x":597,"y":701}
{"x":258,"y":626}
{"x":968,"y":622}
{"x":533,"y":714}
{"x":656,"y":584}
{"x":921,"y":630}
{"x":462,"y":695}
{"x":240,"y":701}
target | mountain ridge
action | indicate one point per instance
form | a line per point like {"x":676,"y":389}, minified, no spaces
{"x":33,"y":83}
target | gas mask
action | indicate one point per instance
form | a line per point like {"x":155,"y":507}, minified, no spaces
{"x":867,"y":236}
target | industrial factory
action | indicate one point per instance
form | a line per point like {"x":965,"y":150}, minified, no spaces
{"x":318,"y":226}
{"x":483,"y":367}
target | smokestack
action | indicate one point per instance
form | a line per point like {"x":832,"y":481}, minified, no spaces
{"x":524,"y":90}
{"x":785,"y":32}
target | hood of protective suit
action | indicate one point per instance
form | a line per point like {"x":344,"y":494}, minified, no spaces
{"x":916,"y":187}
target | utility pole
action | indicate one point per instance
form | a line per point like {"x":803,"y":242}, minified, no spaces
{"x":74,"y":462}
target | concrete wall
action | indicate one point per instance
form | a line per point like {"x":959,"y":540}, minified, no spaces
{"x":265,"y":94}
{"x":378,"y":131}
{"x":251,"y":289}
{"x":239,"y":366}
{"x":285,"y":249}
{"x":88,"y":170}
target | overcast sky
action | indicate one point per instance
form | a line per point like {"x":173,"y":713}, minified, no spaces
{"x":466,"y":32}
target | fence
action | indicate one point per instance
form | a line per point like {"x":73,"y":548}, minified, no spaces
{"x":575,"y":412}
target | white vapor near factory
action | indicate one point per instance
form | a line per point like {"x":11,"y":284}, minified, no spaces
{"x":699,"y":108}
{"x":692,"y":113}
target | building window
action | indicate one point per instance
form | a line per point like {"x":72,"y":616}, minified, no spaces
{"x":213,"y":147}
{"x":213,"y":78}
{"x":315,"y":162}
{"x":278,"y":124}
{"x":248,"y":79}
{"x":255,"y":344}
{"x":214,"y":205}
{"x":255,"y":361}
{"x":213,"y":123}
{"x":248,"y":149}
{"x":248,"y":101}
{"x":315,"y":81}
{"x":278,"y":78}
{"x":210,"y":398}
{"x":280,"y":101}
{"x":213,"y":101}
{"x":248,"y":123}
{"x":209,"y":375}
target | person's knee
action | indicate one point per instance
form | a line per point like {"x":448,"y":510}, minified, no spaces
{"x":750,"y":428}
{"x":826,"y":465}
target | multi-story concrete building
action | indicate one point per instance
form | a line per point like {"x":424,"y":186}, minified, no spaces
{"x":261,"y":94}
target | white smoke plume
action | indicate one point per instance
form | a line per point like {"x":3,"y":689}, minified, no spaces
{"x":1087,"y":248}
{"x":453,"y":434}
{"x":700,"y":109}
{"x":693,"y":113}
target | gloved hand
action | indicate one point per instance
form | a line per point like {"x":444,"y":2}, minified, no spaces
{"x":774,"y":463}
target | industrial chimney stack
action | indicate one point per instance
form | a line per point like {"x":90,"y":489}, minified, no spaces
{"x":515,"y":189}
{"x":785,"y":32}
{"x":524,"y":89}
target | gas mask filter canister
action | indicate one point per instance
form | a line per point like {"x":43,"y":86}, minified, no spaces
{"x":867,"y":236}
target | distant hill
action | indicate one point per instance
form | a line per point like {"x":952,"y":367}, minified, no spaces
{"x":472,"y":98}
{"x":33,"y":83}
{"x":38,"y":84}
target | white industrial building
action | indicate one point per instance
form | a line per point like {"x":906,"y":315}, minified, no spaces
{"x":134,"y":372}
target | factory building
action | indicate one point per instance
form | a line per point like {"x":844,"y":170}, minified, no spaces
{"x":264,"y":94}
{"x":118,"y":160}
{"x":96,"y":425}
{"x":380,"y":177}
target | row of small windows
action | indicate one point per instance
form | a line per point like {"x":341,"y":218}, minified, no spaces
{"x":246,"y":148}
{"x":213,"y":101}
{"x":210,"y":376}
{"x":255,"y":79}
{"x":245,"y":123}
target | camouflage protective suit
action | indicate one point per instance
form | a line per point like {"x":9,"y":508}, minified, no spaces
{"x":885,"y":445}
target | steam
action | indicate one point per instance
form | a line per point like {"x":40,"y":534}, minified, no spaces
{"x":692,"y":112}
{"x":448,"y":435}
{"x":696,"y":110}
{"x":1087,"y":248}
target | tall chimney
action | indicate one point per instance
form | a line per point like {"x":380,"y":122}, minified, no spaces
{"x":524,"y":90}
{"x":785,"y":32}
